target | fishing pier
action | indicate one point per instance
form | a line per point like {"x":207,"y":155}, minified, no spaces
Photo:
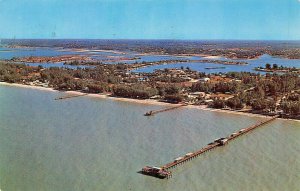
{"x":164,"y":170}
{"x":151,"y":113}
{"x":70,"y":96}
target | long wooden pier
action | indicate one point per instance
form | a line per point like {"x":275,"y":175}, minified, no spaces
{"x":213,"y":145}
{"x":151,"y":113}
{"x":70,"y":96}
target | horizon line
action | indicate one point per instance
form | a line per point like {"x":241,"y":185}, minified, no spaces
{"x":145,"y":39}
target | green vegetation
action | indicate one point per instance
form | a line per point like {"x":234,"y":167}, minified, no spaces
{"x":14,"y":73}
{"x":276,"y":68}
{"x":266,"y":94}
{"x":137,"y":91}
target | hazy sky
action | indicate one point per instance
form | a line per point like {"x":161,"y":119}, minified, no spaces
{"x":151,"y":19}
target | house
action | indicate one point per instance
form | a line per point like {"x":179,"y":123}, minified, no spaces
{"x":198,"y":94}
{"x":208,"y":101}
{"x":204,"y":80}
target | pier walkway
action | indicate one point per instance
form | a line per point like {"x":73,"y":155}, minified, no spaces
{"x":213,"y":145}
{"x":70,"y":96}
{"x":151,"y":113}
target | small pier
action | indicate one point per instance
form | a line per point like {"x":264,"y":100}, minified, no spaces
{"x":217,"y":143}
{"x":70,"y":96}
{"x":151,"y":113}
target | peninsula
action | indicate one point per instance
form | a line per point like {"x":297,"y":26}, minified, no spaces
{"x":269,"y":94}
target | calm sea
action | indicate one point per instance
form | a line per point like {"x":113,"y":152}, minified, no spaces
{"x":98,"y":144}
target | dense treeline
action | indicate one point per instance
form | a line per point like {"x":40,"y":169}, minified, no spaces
{"x":137,"y":91}
{"x":291,"y":107}
{"x":263,"y":97}
{"x":221,"y":87}
{"x":16,"y":72}
{"x":263,"y":94}
{"x":89,"y":79}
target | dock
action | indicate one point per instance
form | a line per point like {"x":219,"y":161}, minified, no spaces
{"x":151,"y":113}
{"x":216,"y":143}
{"x":70,"y":96}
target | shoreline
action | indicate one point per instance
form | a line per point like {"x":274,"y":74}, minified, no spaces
{"x":146,"y":102}
{"x":122,"y":52}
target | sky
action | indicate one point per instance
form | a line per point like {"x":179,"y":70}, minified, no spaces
{"x":151,"y":19}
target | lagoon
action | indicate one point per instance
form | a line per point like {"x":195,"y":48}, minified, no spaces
{"x":202,"y":67}
{"x":105,"y":56}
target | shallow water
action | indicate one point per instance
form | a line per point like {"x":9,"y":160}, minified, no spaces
{"x":9,"y":53}
{"x":98,"y":144}
{"x":101,"y":56}
{"x":105,"y":56}
{"x":252,"y":64}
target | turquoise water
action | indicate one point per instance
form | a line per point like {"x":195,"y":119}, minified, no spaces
{"x":93,"y":144}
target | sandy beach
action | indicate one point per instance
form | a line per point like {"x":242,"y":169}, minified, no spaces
{"x":139,"y":101}
{"x":212,"y":57}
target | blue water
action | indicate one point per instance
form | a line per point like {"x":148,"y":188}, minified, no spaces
{"x":201,"y":67}
{"x":9,"y":53}
{"x":104,"y":56}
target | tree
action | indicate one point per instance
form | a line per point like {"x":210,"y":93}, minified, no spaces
{"x":95,"y":88}
{"x":202,"y":87}
{"x":172,"y":89}
{"x":234,"y":103}
{"x":268,"y":66}
{"x":294,"y":97}
{"x":173,"y":98}
{"x":259,"y":92}
{"x":218,"y":104}
{"x":259,"y":104}
{"x":291,"y":107}
{"x":136,"y":91}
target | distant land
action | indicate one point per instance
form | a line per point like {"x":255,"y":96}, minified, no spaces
{"x":245,"y":76}
{"x":235,"y":49}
